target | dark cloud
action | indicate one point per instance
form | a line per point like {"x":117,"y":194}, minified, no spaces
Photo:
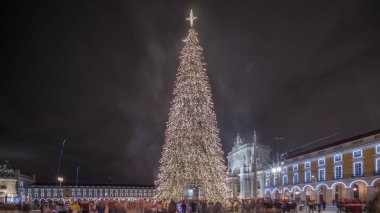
{"x":101,"y":74}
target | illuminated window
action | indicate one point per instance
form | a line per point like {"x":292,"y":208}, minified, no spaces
{"x":338,"y":172}
{"x":378,"y":166}
{"x":321,"y":174}
{"x":358,"y":169}
{"x":307,"y":165}
{"x":285,"y":180}
{"x":308,"y":177}
{"x":267,"y":174}
{"x":357,"y":154}
{"x":337,"y":158}
{"x":284,"y":169}
{"x":276,"y":181}
{"x":295,"y":167}
{"x":378,"y":149}
{"x":295,"y":178}
{"x":321,"y":162}
{"x":267,"y":183}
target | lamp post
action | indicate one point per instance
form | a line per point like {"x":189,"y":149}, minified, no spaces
{"x":60,"y":180}
{"x":276,"y":170}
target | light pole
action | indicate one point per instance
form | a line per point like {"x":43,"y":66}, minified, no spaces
{"x":60,"y":180}
{"x":255,"y":165}
{"x":276,"y":170}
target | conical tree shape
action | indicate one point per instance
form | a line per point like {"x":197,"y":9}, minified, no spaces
{"x":192,"y":153}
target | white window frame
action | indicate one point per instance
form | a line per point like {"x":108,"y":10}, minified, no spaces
{"x":324,"y":174}
{"x":284,"y":169}
{"x":267,"y":183}
{"x":321,"y":164}
{"x":377,"y":149}
{"x":361,"y":153}
{"x":295,"y":175}
{"x":340,"y":155}
{"x":307,"y":163}
{"x":377,"y":162}
{"x":306,"y":180}
{"x":361,"y":169}
{"x":275,"y":183}
{"x":267,"y":174}
{"x":283,"y":180}
{"x":341,"y":172}
{"x":295,"y":167}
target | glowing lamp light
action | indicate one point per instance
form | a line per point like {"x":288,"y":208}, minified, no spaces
{"x":274,"y":170}
{"x":278,"y":169}
{"x":60,"y":179}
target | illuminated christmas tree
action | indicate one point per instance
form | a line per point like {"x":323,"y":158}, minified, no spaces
{"x":192,"y":156}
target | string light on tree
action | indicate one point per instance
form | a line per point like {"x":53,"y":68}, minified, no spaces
{"x":192,"y":155}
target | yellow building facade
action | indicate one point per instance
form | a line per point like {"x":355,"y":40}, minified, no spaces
{"x":347,"y":169}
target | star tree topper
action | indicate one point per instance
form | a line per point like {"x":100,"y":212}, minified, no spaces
{"x":191,"y":18}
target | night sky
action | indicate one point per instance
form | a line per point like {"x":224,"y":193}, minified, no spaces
{"x":101,"y":74}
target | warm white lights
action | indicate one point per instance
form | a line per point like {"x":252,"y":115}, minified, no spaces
{"x":192,"y":154}
{"x":276,"y":169}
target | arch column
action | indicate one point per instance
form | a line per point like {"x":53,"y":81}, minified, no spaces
{"x":243,"y":177}
{"x":329,"y":196}
{"x":371,"y":192}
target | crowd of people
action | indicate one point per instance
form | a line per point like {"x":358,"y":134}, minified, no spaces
{"x":186,"y":206}
{"x":164,"y":206}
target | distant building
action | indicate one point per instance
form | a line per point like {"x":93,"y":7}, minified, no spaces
{"x":13,"y":183}
{"x":53,"y":192}
{"x":348,"y":168}
{"x":240,"y":168}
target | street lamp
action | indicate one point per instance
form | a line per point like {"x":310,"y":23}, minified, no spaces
{"x":60,"y":180}
{"x":276,"y":169}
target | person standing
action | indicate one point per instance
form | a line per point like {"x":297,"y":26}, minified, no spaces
{"x":92,"y":207}
{"x":46,"y":208}
{"x":164,"y":206}
{"x":25,"y":206}
{"x":75,"y":208}
{"x":101,"y":207}
{"x":159,"y":207}
{"x":172,"y":207}
{"x":183,"y":207}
